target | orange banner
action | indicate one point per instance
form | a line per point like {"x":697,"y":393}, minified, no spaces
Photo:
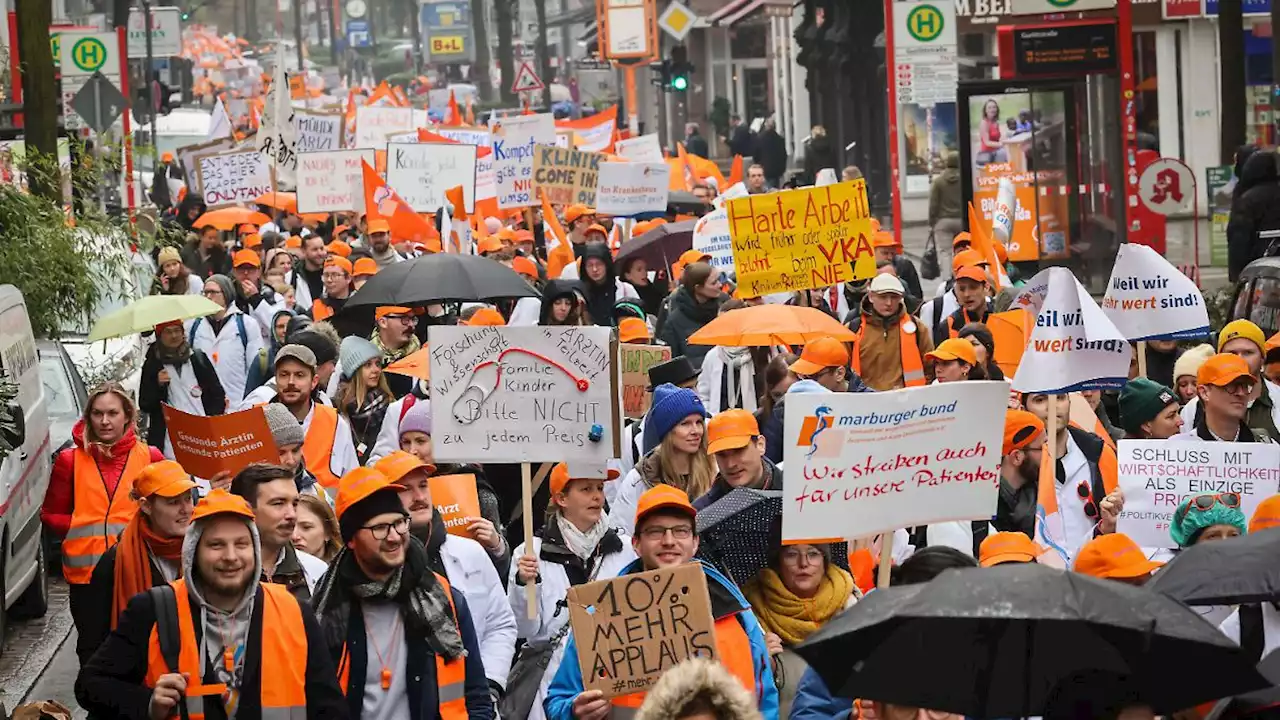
{"x":455,"y":498}
{"x":206,"y":446}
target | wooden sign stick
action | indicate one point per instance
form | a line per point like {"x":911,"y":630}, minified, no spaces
{"x":526,"y":499}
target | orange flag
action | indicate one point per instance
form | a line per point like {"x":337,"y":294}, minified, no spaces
{"x":452,"y":116}
{"x":382,"y":203}
{"x":980,"y":239}
{"x":456,"y":198}
{"x":560,"y":256}
{"x":686,"y":170}
{"x":735,"y":171}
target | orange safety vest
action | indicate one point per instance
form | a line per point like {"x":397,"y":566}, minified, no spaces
{"x":97,"y":519}
{"x":283,"y":656}
{"x":451,"y":675}
{"x":320,"y":310}
{"x":317,"y":448}
{"x":734,"y":649}
{"x":912,"y":362}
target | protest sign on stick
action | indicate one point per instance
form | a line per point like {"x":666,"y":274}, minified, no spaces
{"x":711,"y":236}
{"x":234,"y":177}
{"x":801,"y":239}
{"x":567,"y":176}
{"x":514,"y":141}
{"x":317,"y":131}
{"x":420,"y":173}
{"x":635,"y":361}
{"x":331,"y":181}
{"x":456,"y":500}
{"x":645,"y":148}
{"x":374,"y":123}
{"x":632,"y":188}
{"x":187,"y":157}
{"x":206,"y":446}
{"x":1156,"y":475}
{"x":631,"y":629}
{"x":1150,"y":299}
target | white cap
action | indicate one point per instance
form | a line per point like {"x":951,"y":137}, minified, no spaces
{"x":886,"y":283}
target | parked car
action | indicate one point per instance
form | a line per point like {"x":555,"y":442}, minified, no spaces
{"x":64,"y":389}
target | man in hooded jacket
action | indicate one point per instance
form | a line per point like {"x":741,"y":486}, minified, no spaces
{"x":1256,"y":210}
{"x":601,"y":285}
{"x":226,"y":665}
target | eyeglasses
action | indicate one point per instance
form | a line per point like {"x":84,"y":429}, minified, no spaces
{"x":679,"y":532}
{"x":1205,"y":503}
{"x":382,"y":530}
{"x":406,"y":319}
{"x":791,"y":556}
{"x":333,"y":276}
{"x":211,"y":293}
{"x":1239,"y":387}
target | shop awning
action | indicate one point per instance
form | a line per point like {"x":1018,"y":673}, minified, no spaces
{"x":735,"y":11}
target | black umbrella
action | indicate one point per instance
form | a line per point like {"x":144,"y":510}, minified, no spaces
{"x":438,"y":278}
{"x":1252,"y":704}
{"x":1004,"y":641}
{"x":1224,"y":572}
{"x":738,"y":532}
{"x":661,"y":246}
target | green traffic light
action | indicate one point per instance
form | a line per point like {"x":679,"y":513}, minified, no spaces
{"x":680,"y":82}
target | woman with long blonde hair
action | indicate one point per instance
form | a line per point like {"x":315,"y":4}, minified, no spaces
{"x":675,"y":453}
{"x":365,"y":394}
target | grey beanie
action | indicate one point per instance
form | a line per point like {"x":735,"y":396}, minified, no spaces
{"x":354,"y":352}
{"x":227,"y":287}
{"x":285,"y":428}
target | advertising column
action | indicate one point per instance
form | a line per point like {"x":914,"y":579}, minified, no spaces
{"x":924,"y":40}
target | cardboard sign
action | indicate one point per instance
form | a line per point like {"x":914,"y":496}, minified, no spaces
{"x":711,"y":236}
{"x":331,"y":181}
{"x":567,"y":176}
{"x":1155,"y":475}
{"x":235,"y":177}
{"x":206,"y":446}
{"x":420,"y":173}
{"x":630,"y":188}
{"x":802,"y":239}
{"x":514,"y":139}
{"x":1149,"y":299}
{"x":635,"y":361}
{"x":645,"y":148}
{"x":374,"y":123}
{"x":522,"y":394}
{"x":862,"y":464}
{"x":1073,"y":346}
{"x":187,"y":157}
{"x":631,"y":629}
{"x":455,"y":498}
{"x":317,"y":131}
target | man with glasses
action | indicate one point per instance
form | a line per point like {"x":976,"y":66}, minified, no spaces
{"x":734,"y":439}
{"x":337,"y":288}
{"x":1224,"y":385}
{"x":401,"y":637}
{"x":230,"y":338}
{"x":395,"y":339}
{"x":666,"y":536}
{"x":1021,"y":455}
{"x":1243,"y":338}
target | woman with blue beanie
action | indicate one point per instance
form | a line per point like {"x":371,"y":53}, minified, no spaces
{"x":675,"y":453}
{"x":1207,"y":516}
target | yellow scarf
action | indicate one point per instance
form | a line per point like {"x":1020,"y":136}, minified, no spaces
{"x":792,"y":618}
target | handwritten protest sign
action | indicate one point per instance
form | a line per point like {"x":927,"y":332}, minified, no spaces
{"x":514,"y":139}
{"x":645,"y":148}
{"x":486,"y":178}
{"x":1155,"y":475}
{"x":522,"y":394}
{"x":631,"y":188}
{"x":187,"y":157}
{"x":374,"y":123}
{"x":801,"y":239}
{"x":567,"y":176}
{"x":420,"y":173}
{"x":711,"y":236}
{"x":467,"y":136}
{"x":635,"y":361}
{"x":317,"y":131}
{"x":456,"y":500}
{"x":206,"y":446}
{"x":631,"y":629}
{"x":1149,"y":299}
{"x":1073,"y":346}
{"x":234,"y":177}
{"x":331,"y":181}
{"x":869,"y":463}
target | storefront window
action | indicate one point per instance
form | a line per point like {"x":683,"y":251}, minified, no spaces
{"x":1148,"y":105}
{"x":1257,"y":90}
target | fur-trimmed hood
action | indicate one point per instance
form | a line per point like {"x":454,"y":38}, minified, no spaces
{"x":698,"y":679}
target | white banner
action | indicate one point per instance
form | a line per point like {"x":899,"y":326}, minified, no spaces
{"x":645,"y":148}
{"x":1073,"y":346}
{"x":513,"y":141}
{"x":1155,"y":475}
{"x":317,"y":131}
{"x":631,"y":188}
{"x":237,"y":177}
{"x":711,"y":236}
{"x":332,"y":181}
{"x":467,"y":136}
{"x":420,"y":173}
{"x":522,"y":394}
{"x":277,"y":138}
{"x":859,"y":464}
{"x":373,"y":124}
{"x":1149,"y":299}
{"x":219,"y":122}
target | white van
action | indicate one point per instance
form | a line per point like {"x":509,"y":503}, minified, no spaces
{"x":24,"y":472}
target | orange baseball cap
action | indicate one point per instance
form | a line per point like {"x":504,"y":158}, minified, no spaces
{"x":523,"y":236}
{"x":1115,"y":556}
{"x":954,"y":349}
{"x":339,"y":262}
{"x":971,"y":272}
{"x":219,"y":502}
{"x":1021,"y":428}
{"x":596,"y":228}
{"x":730,"y":430}
{"x":247,"y":228}
{"x":560,"y":477}
{"x":365,"y":266}
{"x":252,"y":240}
{"x":663,"y":497}
{"x":489,"y":244}
{"x":165,"y":478}
{"x":245,"y":257}
{"x":339,"y":248}
{"x":293,"y":242}
{"x":378,"y":225}
{"x":525,"y":267}
{"x":506,"y":233}
{"x":1223,"y":369}
{"x":485,"y":317}
{"x":166,"y":157}
{"x":961,"y":237}
{"x":573,"y":212}
{"x":641,"y":228}
{"x":388,"y":310}
{"x":1267,"y":515}
{"x":396,"y":465}
{"x":883,"y":239}
{"x":340,"y":229}
{"x":1007,"y":547}
{"x":689,"y":257}
{"x":965,"y":258}
{"x":632,"y":329}
{"x":360,"y":483}
{"x":820,"y":354}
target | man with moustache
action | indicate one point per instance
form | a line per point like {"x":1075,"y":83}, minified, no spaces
{"x":217,"y":642}
{"x":272,"y":493}
{"x":328,"y":450}
{"x":401,"y":637}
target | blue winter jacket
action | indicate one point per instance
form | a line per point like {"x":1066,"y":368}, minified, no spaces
{"x":567,"y":683}
{"x":814,"y":702}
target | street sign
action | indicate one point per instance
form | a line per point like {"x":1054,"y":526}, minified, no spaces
{"x":677,"y":20}
{"x":85,"y":53}
{"x":526,"y":79}
{"x":358,"y":33}
{"x":166,"y":33}
{"x":1167,"y":186}
{"x":356,"y":8}
{"x":55,"y":39}
{"x":99,"y":102}
{"x":628,"y":29}
{"x":924,"y":52}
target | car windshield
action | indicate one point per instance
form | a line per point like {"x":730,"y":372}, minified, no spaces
{"x":57,"y":387}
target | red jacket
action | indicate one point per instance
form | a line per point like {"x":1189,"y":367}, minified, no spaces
{"x":56,"y":511}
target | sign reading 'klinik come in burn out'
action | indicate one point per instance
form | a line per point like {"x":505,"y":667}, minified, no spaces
{"x":524,"y":394}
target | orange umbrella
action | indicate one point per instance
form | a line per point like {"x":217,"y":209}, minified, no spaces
{"x":764,"y":325}
{"x":228,"y":218}
{"x":313,"y":218}
{"x":415,"y":365}
{"x":285,"y":201}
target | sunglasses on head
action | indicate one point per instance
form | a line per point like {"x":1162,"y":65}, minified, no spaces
{"x":1205,"y":503}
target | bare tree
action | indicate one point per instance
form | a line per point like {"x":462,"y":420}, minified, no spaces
{"x":506,"y":53}
{"x":481,"y":76}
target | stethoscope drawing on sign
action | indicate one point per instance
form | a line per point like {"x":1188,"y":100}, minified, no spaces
{"x":484,"y":381}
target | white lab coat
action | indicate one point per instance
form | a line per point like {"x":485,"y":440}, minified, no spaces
{"x":622,"y":512}
{"x":470,"y":571}
{"x":527,"y":312}
{"x":388,"y":440}
{"x":229,"y":355}
{"x":301,"y":290}
{"x":313,"y":568}
{"x":711,"y":382}
{"x":1188,"y":412}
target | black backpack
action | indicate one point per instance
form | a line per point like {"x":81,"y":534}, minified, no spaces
{"x":166,"y":603}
